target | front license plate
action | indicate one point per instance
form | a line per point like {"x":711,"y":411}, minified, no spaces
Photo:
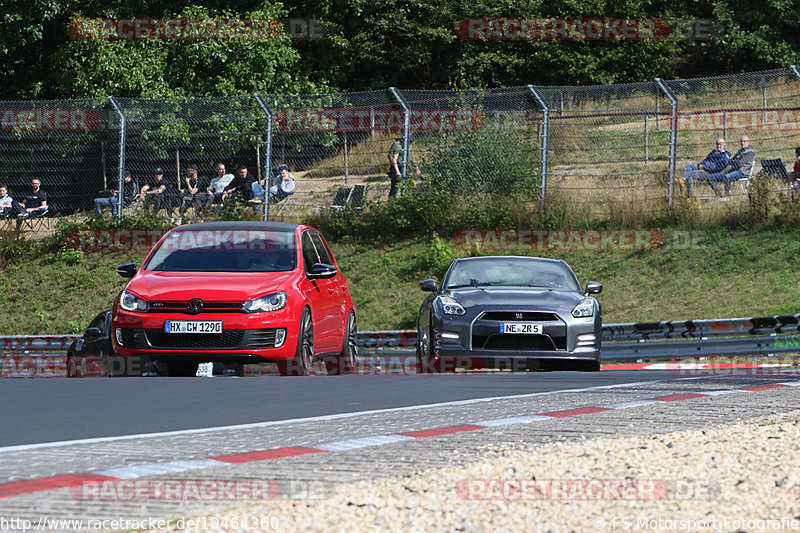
{"x":193,"y":326}
{"x":520,"y":327}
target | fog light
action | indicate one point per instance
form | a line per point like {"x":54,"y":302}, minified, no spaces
{"x":449,"y":335}
{"x":586,"y":337}
{"x":280,"y":336}
{"x":118,"y":335}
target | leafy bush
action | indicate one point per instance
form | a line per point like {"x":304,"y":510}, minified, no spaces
{"x":487,"y":161}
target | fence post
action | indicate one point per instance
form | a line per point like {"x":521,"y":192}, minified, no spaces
{"x":545,"y":140}
{"x":646,"y":140}
{"x":121,"y":167}
{"x":796,"y":71}
{"x":406,"y":127}
{"x":725,"y":125}
{"x":346,"y":165}
{"x":673,"y":135}
{"x":267,"y":154}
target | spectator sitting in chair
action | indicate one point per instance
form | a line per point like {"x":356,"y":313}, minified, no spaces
{"x":217,"y":186}
{"x":740,"y":166}
{"x":160,"y":192}
{"x":130,"y":191}
{"x":36,"y":201}
{"x":9,"y":206}
{"x":194,"y":193}
{"x":794,"y":176}
{"x":241,"y":188}
{"x":715,"y":161}
{"x":282,"y":184}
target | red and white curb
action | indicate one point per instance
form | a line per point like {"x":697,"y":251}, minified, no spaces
{"x":17,"y":488}
{"x":692,"y":366}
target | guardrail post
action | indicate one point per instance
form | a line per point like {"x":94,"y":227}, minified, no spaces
{"x":673,"y":135}
{"x":545,"y":135}
{"x":121,"y":167}
{"x":267,"y":154}
{"x":406,"y":127}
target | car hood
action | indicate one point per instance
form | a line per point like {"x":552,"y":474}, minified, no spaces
{"x":517,"y":298}
{"x":220,"y":287}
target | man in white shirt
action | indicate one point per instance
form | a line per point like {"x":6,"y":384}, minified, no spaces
{"x":8,"y":205}
{"x":218,"y":184}
{"x":282,"y":184}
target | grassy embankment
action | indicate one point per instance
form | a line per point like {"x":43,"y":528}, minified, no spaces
{"x":748,"y":271}
{"x":725,"y":274}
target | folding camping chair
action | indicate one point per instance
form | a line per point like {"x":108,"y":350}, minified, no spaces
{"x":358,"y":196}
{"x":775,"y":169}
{"x":341,"y":199}
{"x":33,"y":222}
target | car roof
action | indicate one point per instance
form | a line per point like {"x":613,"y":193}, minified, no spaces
{"x":521,"y":257}
{"x":243,"y":224}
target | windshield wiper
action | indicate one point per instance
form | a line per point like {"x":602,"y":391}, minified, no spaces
{"x":461,"y":286}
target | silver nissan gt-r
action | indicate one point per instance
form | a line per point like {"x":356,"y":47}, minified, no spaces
{"x":509,"y":312}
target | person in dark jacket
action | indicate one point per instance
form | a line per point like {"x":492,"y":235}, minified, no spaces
{"x":715,"y":161}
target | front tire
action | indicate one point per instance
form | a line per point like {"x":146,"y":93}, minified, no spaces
{"x":72,"y":366}
{"x":300,"y":364}
{"x":426,"y":364}
{"x":347,"y":361}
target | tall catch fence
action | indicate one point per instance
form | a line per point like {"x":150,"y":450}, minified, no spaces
{"x":606,"y":151}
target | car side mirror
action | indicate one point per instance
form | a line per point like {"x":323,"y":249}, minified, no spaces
{"x":93,"y":332}
{"x":428,"y":285}
{"x":593,"y":287}
{"x":322,"y":271}
{"x":127,"y":270}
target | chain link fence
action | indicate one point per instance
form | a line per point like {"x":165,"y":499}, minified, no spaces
{"x":605,"y":151}
{"x":72,"y":146}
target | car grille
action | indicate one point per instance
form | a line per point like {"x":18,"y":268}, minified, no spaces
{"x":232,"y":339}
{"x":158,"y":338}
{"x":500,"y":316}
{"x":208,"y":307}
{"x":496,"y":341}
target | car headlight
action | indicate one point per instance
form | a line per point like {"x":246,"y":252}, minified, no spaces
{"x":270,"y":302}
{"x":451,"y":307}
{"x":584,"y":309}
{"x":129,"y":302}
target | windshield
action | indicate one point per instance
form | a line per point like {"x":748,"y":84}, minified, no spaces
{"x":225,"y":251}
{"x":511,"y":272}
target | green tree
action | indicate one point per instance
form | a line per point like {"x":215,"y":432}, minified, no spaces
{"x":43,"y":61}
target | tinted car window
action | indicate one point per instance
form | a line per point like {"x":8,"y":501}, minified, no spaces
{"x":322,"y":250}
{"x":309,"y":251}
{"x":511,"y":273}
{"x":225,"y":251}
{"x":99,"y":322}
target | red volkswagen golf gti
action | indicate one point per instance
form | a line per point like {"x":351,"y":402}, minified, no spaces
{"x":235,"y":292}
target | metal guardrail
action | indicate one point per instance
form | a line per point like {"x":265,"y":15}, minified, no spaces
{"x":681,"y":329}
{"x":634,"y":341}
{"x":655,"y":340}
{"x":39,"y":355}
